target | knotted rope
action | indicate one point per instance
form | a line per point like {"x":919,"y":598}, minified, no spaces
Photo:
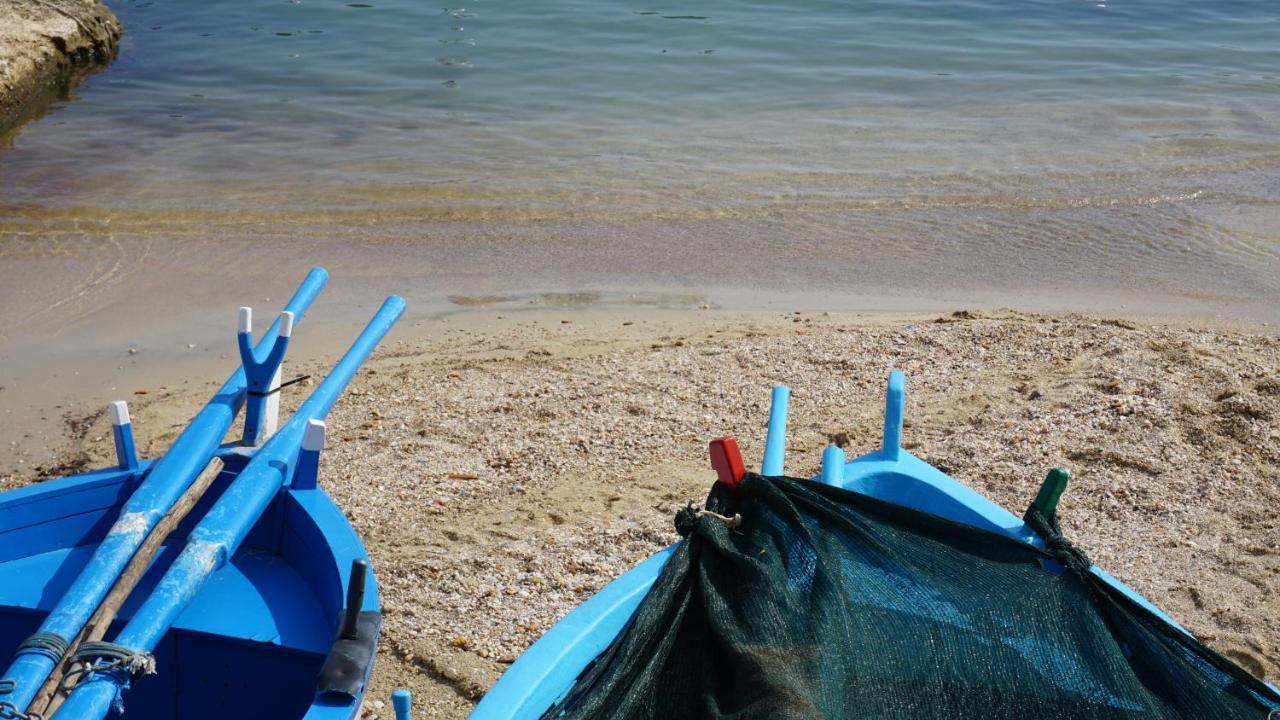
{"x":97,"y":657}
{"x":51,"y":645}
{"x":687,"y":519}
{"x":1060,"y":548}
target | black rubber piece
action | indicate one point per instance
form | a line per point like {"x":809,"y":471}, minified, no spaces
{"x":355,"y":597}
{"x":350,"y":658}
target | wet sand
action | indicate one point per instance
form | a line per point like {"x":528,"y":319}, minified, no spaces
{"x":502,"y":464}
{"x":96,"y":310}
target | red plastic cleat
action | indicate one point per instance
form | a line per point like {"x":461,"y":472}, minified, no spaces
{"x":726,"y":460}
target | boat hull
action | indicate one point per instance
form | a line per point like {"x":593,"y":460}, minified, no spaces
{"x":551,"y":666}
{"x":251,"y":643}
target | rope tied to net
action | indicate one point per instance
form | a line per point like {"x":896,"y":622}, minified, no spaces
{"x":99,"y":657}
{"x":1058,"y":546}
{"x":687,"y":519}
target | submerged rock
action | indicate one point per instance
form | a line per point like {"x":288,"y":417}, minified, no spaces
{"x":46,"y":48}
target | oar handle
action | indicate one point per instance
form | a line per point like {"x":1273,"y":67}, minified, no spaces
{"x":311,"y":286}
{"x":326,"y":393}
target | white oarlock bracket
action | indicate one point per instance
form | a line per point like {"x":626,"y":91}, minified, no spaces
{"x":271,"y":413}
{"x":118,"y":411}
{"x":245,"y":320}
{"x":313,"y":438}
{"x":122,"y":434}
{"x":308,"y":471}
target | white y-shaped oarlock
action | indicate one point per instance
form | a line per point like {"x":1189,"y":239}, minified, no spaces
{"x":262,"y":376}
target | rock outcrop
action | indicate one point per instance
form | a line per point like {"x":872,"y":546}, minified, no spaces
{"x":46,"y":47}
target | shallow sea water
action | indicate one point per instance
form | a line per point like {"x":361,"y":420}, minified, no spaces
{"x":935,"y":151}
{"x":909,"y":155}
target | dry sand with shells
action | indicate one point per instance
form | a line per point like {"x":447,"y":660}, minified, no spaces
{"x":503,"y":468}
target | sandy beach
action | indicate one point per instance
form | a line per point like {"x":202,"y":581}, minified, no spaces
{"x":502,"y":465}
{"x":615,"y":229}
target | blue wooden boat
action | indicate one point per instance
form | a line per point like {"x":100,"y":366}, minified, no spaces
{"x":257,"y":603}
{"x":548,"y":670}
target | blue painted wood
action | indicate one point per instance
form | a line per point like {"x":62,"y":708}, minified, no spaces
{"x":833,"y":466}
{"x":242,"y":600}
{"x":122,"y":436}
{"x":277,"y":602}
{"x":48,"y":500}
{"x":309,"y":458}
{"x":894,"y":412}
{"x":775,"y":439}
{"x":86,"y":528}
{"x":253,"y":676}
{"x":79,"y":513}
{"x":322,"y":550}
{"x":402,"y":703}
{"x":220,"y":532}
{"x":549,"y":668}
{"x":163,"y":485}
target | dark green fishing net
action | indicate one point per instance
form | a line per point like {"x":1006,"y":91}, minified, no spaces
{"x":825,"y":603}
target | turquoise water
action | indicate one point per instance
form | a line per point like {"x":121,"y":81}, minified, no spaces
{"x":914,"y":143}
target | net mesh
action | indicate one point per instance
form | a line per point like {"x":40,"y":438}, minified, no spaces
{"x":824,"y":603}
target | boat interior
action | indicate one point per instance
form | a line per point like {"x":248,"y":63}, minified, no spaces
{"x":251,"y":643}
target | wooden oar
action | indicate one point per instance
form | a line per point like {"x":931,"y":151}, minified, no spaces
{"x":49,"y":697}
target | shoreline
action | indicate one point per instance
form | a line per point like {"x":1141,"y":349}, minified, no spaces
{"x":47,"y":49}
{"x":502,"y":466}
{"x":64,"y":369}
{"x":521,"y":439}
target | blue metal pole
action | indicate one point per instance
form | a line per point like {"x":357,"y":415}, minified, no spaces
{"x":168,"y":478}
{"x":775,"y":440}
{"x":895,"y":399}
{"x":833,"y":466}
{"x":402,"y":703}
{"x":217,"y":536}
{"x":307,"y":473}
{"x":122,"y":433}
